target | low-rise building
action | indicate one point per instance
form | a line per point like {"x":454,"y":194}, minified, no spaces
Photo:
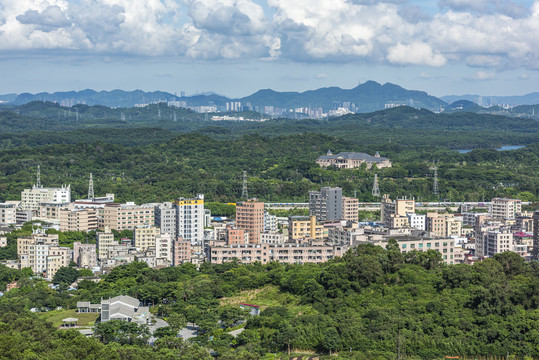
{"x":352,"y":160}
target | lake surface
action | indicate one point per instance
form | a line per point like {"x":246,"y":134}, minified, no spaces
{"x":503,"y":148}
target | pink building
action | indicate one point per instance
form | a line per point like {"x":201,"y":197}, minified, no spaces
{"x":181,"y":251}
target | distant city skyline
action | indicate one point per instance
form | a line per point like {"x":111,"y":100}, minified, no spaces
{"x":236,"y":47}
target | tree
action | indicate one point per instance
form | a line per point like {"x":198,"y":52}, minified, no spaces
{"x":331,"y":340}
{"x":122,"y":332}
{"x":65,"y":275}
{"x":176,"y":321}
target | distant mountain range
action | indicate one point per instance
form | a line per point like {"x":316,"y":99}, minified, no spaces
{"x":528,"y":99}
{"x":367,"y":97}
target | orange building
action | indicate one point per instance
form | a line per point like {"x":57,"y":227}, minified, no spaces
{"x":250,"y":217}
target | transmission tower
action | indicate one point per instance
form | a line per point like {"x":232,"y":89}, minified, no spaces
{"x":435,"y":183}
{"x":38,"y":181}
{"x":244,"y":193}
{"x":375,"y":187}
{"x":91,"y":187}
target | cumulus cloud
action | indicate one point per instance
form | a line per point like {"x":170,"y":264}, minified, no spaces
{"x":482,"y":75}
{"x":496,"y":34}
{"x":415,"y":54}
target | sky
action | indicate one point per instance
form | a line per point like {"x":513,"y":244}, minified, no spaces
{"x":236,"y":47}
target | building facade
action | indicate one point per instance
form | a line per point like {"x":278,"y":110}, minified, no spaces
{"x":351,"y":160}
{"x":250,"y":217}
{"x":326,"y":204}
{"x":190,"y":218}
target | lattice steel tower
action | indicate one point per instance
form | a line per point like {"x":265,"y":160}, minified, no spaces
{"x":91,"y":187}
{"x":244,"y":193}
{"x":38,"y":180}
{"x":375,"y":187}
{"x":435,"y":183}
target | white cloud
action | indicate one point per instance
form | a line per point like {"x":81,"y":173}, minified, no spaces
{"x":482,"y":75}
{"x":497,"y":34}
{"x":414,"y":54}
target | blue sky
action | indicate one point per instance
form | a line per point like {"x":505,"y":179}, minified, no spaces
{"x":235,"y":47}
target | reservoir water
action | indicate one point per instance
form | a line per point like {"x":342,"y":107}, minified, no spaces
{"x":503,"y":148}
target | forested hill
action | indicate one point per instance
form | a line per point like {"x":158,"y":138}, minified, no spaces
{"x":370,"y":304}
{"x":279,"y":168}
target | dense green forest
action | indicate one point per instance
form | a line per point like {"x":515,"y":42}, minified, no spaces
{"x":371,"y":304}
{"x":280,"y":168}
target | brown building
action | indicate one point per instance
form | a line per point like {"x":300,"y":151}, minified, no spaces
{"x":236,"y":236}
{"x":250,"y":217}
{"x":182,"y":251}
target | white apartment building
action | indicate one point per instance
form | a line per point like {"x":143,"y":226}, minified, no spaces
{"x":504,"y":208}
{"x":190,"y":218}
{"x":417,"y":221}
{"x":166,"y":218}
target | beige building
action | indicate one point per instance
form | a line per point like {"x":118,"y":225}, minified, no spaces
{"x":300,"y":227}
{"x":443,"y":225}
{"x":41,"y":253}
{"x":445,"y":246}
{"x":351,"y":160}
{"x":8,"y":213}
{"x":145,"y":235}
{"x":283,"y":253}
{"x":32,"y":198}
{"x":78,"y":219}
{"x":398,"y":207}
{"x":164,"y":248}
{"x":125,"y":216}
{"x":250,"y":217}
{"x":105,"y":241}
{"x":503,"y":208}
{"x":85,"y":255}
{"x":350,"y":208}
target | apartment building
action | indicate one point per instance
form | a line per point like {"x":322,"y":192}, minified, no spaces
{"x":417,"y":221}
{"x":270,"y":222}
{"x":41,"y":253}
{"x":190,"y":218}
{"x":32,"y":198}
{"x":85,"y":255}
{"x":166,"y":218}
{"x":182,"y":251}
{"x":125,"y":216}
{"x":350,"y":208}
{"x":236,"y":236}
{"x":164,"y":248}
{"x":326,"y":204}
{"x":497,"y":241}
{"x":535,"y":251}
{"x":272,"y":238}
{"x":264,"y":253}
{"x":250,"y":217}
{"x":8,"y":213}
{"x":504,"y":208}
{"x":78,"y":219}
{"x":445,"y":246}
{"x":398,"y":208}
{"x":300,"y":227}
{"x":144,"y":236}
{"x":443,"y":225}
{"x":105,"y":241}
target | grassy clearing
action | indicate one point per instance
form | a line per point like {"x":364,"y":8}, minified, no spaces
{"x":55,"y":317}
{"x":269,"y":296}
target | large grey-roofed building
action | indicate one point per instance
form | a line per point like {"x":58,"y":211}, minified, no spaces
{"x":351,"y":160}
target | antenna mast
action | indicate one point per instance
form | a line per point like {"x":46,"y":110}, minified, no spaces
{"x":375,"y":187}
{"x":91,"y":187}
{"x":244,"y":193}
